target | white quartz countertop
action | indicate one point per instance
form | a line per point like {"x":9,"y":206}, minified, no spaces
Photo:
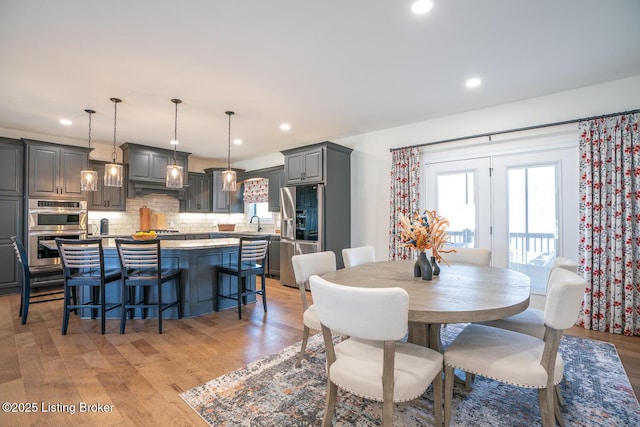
{"x":169,"y":244}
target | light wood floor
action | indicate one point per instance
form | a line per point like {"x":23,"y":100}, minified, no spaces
{"x":141,"y":373}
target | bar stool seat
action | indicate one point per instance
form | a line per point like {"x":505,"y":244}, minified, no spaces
{"x":83,"y":267}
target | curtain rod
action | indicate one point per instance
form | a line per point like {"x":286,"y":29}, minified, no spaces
{"x":490,"y":134}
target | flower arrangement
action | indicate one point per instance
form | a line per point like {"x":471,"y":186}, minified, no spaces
{"x":426,"y":231}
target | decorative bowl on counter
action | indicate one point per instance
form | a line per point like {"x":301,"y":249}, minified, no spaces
{"x":144,"y":235}
{"x":226,"y":227}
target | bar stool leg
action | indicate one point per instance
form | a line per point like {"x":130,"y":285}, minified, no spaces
{"x":160,"y":307}
{"x":264,"y":292}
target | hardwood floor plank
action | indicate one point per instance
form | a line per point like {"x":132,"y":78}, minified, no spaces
{"x":141,"y":373}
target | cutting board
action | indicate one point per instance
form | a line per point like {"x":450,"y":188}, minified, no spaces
{"x":159,"y":221}
{"x":145,"y":218}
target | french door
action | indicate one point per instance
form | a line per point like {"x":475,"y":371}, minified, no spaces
{"x":521,"y":206}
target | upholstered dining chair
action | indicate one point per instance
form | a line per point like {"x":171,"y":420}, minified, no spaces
{"x":84,"y":271}
{"x":531,"y":321}
{"x":519,"y":359}
{"x":373,"y":363}
{"x":252,"y":254}
{"x":305,"y":266}
{"x":358,"y":255}
{"x":479,"y":256}
{"x":141,"y":267}
{"x":46,"y":282}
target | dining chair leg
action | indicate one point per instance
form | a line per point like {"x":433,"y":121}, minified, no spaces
{"x":557,"y":411}
{"x":330,"y":403}
{"x":303,"y":347}
{"x":546,"y":402}
{"x":437,"y":398}
{"x":448,"y":393}
{"x":561,"y":401}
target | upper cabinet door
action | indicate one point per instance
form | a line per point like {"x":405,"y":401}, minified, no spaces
{"x":11,"y":167}
{"x":304,"y":167}
{"x":54,"y":171}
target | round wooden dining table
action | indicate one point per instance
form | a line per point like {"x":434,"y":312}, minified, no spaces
{"x":461,"y":293}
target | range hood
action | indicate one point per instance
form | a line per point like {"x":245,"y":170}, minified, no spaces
{"x":140,"y":188}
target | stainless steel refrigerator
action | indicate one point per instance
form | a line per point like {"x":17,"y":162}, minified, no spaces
{"x":302,"y":227}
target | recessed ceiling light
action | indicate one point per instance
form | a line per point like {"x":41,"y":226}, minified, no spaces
{"x":473,"y":82}
{"x":420,"y":7}
{"x":237,"y":141}
{"x":285,"y":127}
{"x":65,"y":122}
{"x":174,"y":142}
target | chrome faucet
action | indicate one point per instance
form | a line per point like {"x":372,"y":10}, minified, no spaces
{"x":251,"y":222}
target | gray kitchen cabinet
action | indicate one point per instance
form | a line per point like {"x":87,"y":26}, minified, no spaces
{"x":54,"y":170}
{"x":105,"y":198}
{"x":11,"y":167}
{"x":11,"y":212}
{"x":304,"y":166}
{"x":226,"y":201}
{"x":276,"y":180}
{"x":196,"y":236}
{"x":150,"y":163}
{"x":274,"y":256}
{"x":198,"y":194}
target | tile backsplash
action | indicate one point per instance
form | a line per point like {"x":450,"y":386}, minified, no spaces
{"x":127,"y":222}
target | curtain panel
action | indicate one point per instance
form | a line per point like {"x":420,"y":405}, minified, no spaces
{"x":256,"y":190}
{"x":405,"y":196}
{"x":609,"y":244}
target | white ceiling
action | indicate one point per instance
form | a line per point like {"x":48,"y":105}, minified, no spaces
{"x":331,"y":68}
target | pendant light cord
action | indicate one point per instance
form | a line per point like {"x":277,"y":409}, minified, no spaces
{"x":115,"y":126}
{"x":229,"y":113}
{"x":175,"y":131}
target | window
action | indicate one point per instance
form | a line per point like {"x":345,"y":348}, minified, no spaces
{"x":261,"y":210}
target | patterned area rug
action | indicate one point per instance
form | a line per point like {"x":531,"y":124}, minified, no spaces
{"x":272,"y":392}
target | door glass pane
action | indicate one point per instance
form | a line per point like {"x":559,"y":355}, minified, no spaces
{"x":532,"y":222}
{"x":456,"y":202}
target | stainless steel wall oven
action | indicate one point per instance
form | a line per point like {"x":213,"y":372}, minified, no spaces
{"x":48,"y":219}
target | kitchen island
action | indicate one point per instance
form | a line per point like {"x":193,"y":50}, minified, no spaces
{"x":197,"y":260}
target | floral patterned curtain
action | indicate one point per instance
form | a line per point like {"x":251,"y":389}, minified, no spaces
{"x":256,"y":190}
{"x":609,"y":247}
{"x":405,"y":194}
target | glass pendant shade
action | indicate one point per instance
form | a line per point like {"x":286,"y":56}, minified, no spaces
{"x":88,"y":180}
{"x":113,"y":175}
{"x":174,"y":176}
{"x":88,"y":177}
{"x":229,"y":180}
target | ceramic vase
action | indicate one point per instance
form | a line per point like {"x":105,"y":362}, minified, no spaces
{"x":422,"y":267}
{"x":435,"y":266}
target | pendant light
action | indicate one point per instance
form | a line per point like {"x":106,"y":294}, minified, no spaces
{"x":113,"y":170}
{"x":229,"y":176}
{"x":174,"y":172}
{"x":88,"y":177}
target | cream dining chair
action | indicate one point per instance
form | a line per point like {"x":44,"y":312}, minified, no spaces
{"x":358,"y":255}
{"x":373,"y":363}
{"x":305,"y":266}
{"x":479,"y":256}
{"x":519,"y":359}
{"x":531,"y":321}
